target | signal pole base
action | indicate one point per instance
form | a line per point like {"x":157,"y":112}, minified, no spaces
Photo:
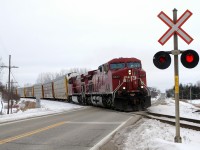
{"x":177,"y":139}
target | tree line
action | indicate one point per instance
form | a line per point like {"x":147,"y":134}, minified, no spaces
{"x":186,"y":91}
{"x":6,"y":95}
{"x":1,"y":68}
{"x":4,"y":90}
{"x":154,"y":92}
{"x":49,"y":76}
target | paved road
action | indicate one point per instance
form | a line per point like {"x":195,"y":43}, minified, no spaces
{"x":78,"y":130}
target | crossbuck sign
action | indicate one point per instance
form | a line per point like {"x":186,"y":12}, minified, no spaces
{"x":175,"y":27}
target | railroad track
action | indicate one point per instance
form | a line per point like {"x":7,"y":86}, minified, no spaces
{"x":184,"y":122}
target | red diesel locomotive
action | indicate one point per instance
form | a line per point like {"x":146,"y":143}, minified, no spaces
{"x":119,"y":84}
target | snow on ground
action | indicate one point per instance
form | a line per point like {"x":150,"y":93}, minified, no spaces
{"x":167,"y":106}
{"x":146,"y":134}
{"x":47,"y":107}
{"x":149,"y":134}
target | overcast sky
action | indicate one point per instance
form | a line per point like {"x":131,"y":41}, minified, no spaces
{"x":51,"y":35}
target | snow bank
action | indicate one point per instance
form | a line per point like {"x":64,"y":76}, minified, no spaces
{"x":167,"y":106}
{"x":150,"y":134}
{"x":47,"y":107}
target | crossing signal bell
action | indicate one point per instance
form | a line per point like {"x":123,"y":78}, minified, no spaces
{"x":162,"y":60}
{"x":189,"y":58}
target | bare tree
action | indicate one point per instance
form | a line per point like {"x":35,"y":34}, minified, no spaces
{"x":79,"y":70}
{"x":154,"y":92}
{"x":198,"y":83}
{"x":5,"y":93}
{"x":27,"y":84}
{"x":47,"y":77}
{"x":1,"y":87}
{"x":1,"y":68}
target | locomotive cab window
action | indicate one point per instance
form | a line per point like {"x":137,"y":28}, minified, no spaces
{"x":133,"y":65}
{"x":117,"y":66}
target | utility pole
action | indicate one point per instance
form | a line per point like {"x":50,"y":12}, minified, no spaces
{"x":9,"y":90}
{"x":190,"y":84}
{"x":177,"y":138}
{"x":11,"y":95}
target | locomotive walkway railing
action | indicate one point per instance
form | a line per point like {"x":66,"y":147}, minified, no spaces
{"x":147,"y":89}
{"x":114,"y":92}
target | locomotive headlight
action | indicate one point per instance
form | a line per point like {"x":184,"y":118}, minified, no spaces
{"x":124,"y":87}
{"x":129,"y":72}
{"x":142,"y":87}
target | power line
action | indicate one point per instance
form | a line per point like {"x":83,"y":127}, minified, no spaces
{"x":14,"y":79}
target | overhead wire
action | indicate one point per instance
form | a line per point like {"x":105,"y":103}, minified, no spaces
{"x":6,"y":52}
{"x":15,"y":81}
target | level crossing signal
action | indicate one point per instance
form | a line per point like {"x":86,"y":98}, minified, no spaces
{"x":189,"y":59}
{"x":162,"y":60}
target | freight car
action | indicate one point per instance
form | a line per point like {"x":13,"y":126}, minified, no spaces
{"x":118,"y":84}
{"x":56,"y":90}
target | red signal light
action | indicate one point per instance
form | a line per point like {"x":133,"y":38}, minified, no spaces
{"x":162,"y":60}
{"x":189,"y":58}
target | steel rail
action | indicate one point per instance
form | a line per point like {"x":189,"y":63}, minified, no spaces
{"x":184,"y":122}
